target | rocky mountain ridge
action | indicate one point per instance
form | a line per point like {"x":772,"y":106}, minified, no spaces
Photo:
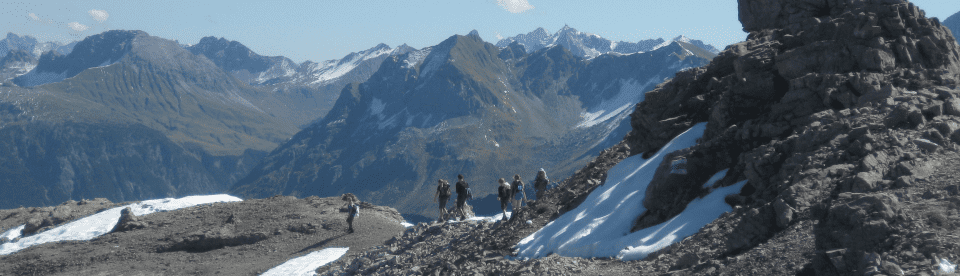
{"x":587,"y":45}
{"x":30,"y":45}
{"x":309,"y":89}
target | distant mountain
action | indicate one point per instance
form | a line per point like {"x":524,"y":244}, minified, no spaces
{"x":589,"y":45}
{"x":953,"y":22}
{"x":130,"y":116}
{"x":16,"y":62}
{"x":30,"y":45}
{"x":465,"y":106}
{"x":308,"y":90}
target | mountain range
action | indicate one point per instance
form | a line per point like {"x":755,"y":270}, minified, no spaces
{"x":465,"y":106}
{"x":218,"y":108}
{"x":129,"y":116}
{"x":309,"y":89}
{"x":587,"y":45}
{"x":19,"y":54}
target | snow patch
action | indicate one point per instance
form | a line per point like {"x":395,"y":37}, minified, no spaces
{"x":415,"y":57}
{"x":600,"y":226}
{"x":631,"y":92}
{"x":101,"y":223}
{"x":435,"y":61}
{"x":377,"y":106}
{"x":13,"y":233}
{"x":307,"y":265}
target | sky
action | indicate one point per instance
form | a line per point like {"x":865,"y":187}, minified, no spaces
{"x":330,"y":29}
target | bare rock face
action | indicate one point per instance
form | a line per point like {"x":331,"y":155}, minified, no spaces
{"x":825,"y":98}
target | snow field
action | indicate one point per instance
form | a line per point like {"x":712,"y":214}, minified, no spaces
{"x":306,"y":265}
{"x":101,"y":223}
{"x":600,"y":226}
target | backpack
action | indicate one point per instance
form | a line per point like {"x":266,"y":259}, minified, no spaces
{"x":469,"y":194}
{"x":354,"y":210}
{"x":445,"y":190}
{"x":463,"y":189}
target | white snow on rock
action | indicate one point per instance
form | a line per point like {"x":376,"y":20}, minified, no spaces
{"x":600,"y":226}
{"x":631,"y":92}
{"x":307,"y":265}
{"x":13,"y":233}
{"x":101,"y":223}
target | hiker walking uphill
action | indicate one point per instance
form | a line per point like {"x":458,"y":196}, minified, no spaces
{"x":443,"y":192}
{"x":540,"y":184}
{"x":463,"y":193}
{"x":517,"y":192}
{"x":504,"y":194}
{"x":353,"y":209}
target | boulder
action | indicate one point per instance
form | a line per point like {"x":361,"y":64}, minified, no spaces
{"x":128,"y":221}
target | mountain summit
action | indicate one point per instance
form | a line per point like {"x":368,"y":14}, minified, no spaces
{"x":301,"y":93}
{"x":587,"y":45}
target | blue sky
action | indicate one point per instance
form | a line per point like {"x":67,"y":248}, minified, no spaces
{"x":322,"y":30}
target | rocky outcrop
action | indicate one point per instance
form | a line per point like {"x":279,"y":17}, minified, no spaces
{"x":826,"y":108}
{"x":128,"y":221}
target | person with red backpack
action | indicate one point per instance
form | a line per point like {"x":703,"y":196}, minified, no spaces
{"x":443,"y":192}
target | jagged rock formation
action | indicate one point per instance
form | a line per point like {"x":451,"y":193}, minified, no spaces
{"x":16,"y":62}
{"x":823,"y":109}
{"x":588,"y":46}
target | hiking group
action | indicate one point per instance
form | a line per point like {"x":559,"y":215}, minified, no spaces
{"x":506,"y":193}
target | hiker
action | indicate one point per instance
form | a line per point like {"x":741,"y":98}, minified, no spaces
{"x":504,"y":194}
{"x":540,"y":184}
{"x":353,"y":209}
{"x":518,"y":192}
{"x":463,"y":192}
{"x":443,"y":192}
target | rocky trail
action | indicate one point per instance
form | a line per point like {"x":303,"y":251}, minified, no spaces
{"x":233,"y":238}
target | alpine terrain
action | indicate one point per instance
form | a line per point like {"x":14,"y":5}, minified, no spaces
{"x":305,"y":91}
{"x":465,"y":106}
{"x":587,"y":45}
{"x":825,"y":144}
{"x":128,"y":116}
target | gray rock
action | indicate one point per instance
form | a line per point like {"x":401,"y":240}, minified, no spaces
{"x":128,"y":221}
{"x":784,"y":213}
{"x":865,"y":182}
{"x":926,"y":144}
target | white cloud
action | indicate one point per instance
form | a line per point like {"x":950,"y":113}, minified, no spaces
{"x":499,"y":37}
{"x":515,"y":6}
{"x":99,"y":15}
{"x":77,"y":26}
{"x":33,"y":16}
